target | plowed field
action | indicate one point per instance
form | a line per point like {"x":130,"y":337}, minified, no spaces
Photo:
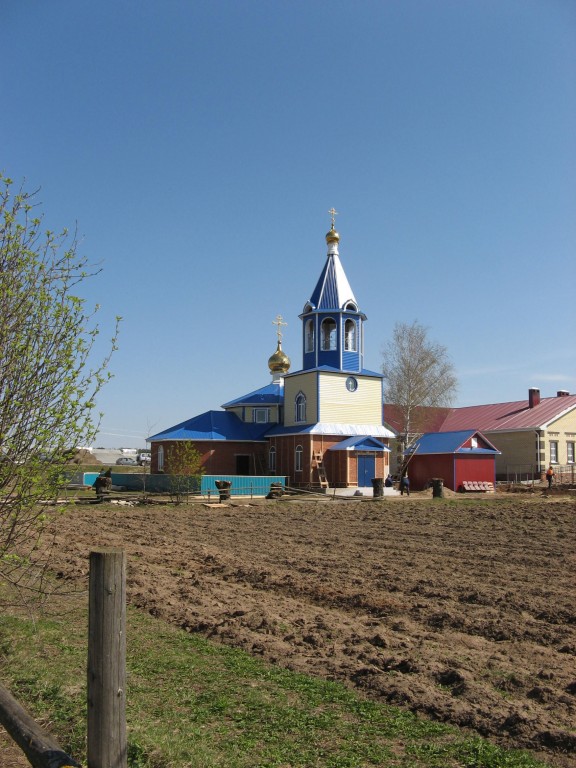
{"x":461,"y":609}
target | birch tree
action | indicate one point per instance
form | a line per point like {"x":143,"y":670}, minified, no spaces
{"x":418,"y":374}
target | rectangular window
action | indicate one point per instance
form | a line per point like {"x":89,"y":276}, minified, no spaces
{"x":260,"y":415}
{"x":570,"y":452}
{"x":554,"y":451}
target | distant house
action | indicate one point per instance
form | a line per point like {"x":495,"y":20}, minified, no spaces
{"x":529,"y":434}
{"x":461,"y":459}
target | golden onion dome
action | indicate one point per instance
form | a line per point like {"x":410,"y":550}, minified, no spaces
{"x":332,"y":236}
{"x":279,"y":362}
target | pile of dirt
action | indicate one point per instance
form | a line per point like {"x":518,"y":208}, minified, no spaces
{"x":461,"y":611}
{"x":84,"y":457}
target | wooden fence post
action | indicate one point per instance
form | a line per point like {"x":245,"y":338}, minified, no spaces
{"x":107,"y":745}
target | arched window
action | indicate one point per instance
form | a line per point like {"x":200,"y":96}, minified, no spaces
{"x":309,"y":343}
{"x":298,"y":458}
{"x":272,"y":459}
{"x":328,"y":334}
{"x":350,"y":335}
{"x":300,"y":407}
{"x":160,"y":458}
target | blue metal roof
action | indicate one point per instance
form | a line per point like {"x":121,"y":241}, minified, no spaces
{"x":361,"y":443}
{"x":332,"y":369}
{"x":271,"y":394}
{"x":213,"y":425}
{"x":451,"y":442}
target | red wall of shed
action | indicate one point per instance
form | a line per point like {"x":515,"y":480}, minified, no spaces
{"x":422,"y":469}
{"x":480,"y":468}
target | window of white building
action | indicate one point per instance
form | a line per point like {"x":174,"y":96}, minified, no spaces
{"x":554,"y":451}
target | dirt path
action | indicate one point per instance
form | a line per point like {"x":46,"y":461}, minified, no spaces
{"x":460,"y":610}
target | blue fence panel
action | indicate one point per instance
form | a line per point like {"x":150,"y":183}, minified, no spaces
{"x":241,"y":485}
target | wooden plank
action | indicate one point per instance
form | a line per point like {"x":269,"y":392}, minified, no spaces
{"x":41,"y":750}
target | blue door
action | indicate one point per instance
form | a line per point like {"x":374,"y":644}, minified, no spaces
{"x":366,"y":469}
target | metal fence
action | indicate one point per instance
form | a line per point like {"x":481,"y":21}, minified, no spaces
{"x":564,"y":474}
{"x":521,"y":474}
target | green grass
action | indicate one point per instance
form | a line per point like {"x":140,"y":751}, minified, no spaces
{"x":196,"y":705}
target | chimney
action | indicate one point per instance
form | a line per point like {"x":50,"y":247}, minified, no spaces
{"x":562,"y":393}
{"x":533,"y":397}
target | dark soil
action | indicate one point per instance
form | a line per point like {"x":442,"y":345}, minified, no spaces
{"x":461,"y":609}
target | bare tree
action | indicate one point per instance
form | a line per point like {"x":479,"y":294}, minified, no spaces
{"x":47,"y":383}
{"x":418,"y":376}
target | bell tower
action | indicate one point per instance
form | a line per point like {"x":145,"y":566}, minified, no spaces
{"x":332,"y":325}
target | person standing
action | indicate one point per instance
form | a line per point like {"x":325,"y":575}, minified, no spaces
{"x":550,"y":475}
{"x":405,"y":485}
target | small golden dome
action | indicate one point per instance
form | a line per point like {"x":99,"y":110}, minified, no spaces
{"x":332,"y":236}
{"x":279,"y":362}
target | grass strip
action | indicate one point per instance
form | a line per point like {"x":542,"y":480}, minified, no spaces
{"x":194,"y":704}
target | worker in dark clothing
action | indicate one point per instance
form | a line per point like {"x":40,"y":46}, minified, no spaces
{"x":405,"y":485}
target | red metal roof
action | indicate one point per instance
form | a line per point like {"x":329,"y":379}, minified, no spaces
{"x":423,"y":419}
{"x":485,"y":418}
{"x":508,"y":416}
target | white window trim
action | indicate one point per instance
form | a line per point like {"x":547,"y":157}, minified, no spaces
{"x":332,"y":337}
{"x":300,"y":408}
{"x":263,"y":411}
{"x":298,"y":456}
{"x":309,"y":336}
{"x":555,"y":452}
{"x":160,"y":458}
{"x":350,"y":347}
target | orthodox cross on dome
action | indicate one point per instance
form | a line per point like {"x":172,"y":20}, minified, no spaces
{"x":333,"y":213}
{"x":279,"y":322}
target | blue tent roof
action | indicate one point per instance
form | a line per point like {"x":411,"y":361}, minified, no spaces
{"x":268,"y":395}
{"x":451,"y":442}
{"x":332,"y":290}
{"x":213,"y":425}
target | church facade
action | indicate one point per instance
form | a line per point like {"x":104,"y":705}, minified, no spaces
{"x":321,"y":426}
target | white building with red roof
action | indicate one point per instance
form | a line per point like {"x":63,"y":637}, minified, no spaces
{"x":530,"y":434}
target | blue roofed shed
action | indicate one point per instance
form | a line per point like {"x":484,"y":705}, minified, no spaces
{"x":459,"y":458}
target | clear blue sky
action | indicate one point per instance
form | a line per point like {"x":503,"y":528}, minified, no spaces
{"x":199,"y":146}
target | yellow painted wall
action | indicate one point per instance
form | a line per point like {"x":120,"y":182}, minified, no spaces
{"x":273,"y":412}
{"x":246,"y":414}
{"x":563,"y":430}
{"x":521,"y":447}
{"x":517,"y":448}
{"x":338,"y":405}
{"x":306,"y":383}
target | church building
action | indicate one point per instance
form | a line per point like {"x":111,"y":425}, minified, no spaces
{"x":319,"y":427}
